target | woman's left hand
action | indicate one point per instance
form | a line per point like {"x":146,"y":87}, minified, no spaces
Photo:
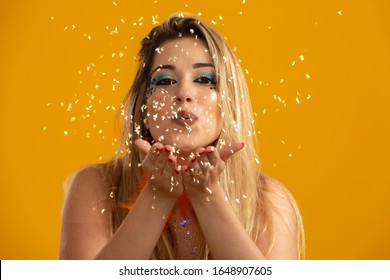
{"x":201,"y":175}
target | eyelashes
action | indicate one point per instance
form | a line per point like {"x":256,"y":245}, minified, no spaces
{"x":166,"y":79}
{"x":206,"y":78}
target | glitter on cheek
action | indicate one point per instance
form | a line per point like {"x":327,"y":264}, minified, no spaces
{"x":151,"y":88}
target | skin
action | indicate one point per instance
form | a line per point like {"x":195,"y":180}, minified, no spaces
{"x":171,"y":165}
{"x":184,"y":73}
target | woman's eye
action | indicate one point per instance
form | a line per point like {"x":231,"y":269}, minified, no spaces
{"x":165,"y":80}
{"x":208,"y":80}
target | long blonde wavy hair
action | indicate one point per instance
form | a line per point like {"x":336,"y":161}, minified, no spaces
{"x":241,"y":178}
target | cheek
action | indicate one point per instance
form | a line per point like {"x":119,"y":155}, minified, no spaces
{"x":214,"y":97}
{"x":213,"y":106}
{"x":159,"y":103}
{"x":159,"y":111}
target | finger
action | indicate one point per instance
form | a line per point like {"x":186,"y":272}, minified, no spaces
{"x":162,"y":159}
{"x":194,"y":170}
{"x":170,"y":164}
{"x":153,"y":153}
{"x":212,"y":155}
{"x":143,"y":146}
{"x":171,"y":172}
{"x":203,"y":160}
{"x":227,"y":151}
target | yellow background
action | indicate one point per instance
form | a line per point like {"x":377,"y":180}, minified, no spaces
{"x":330,"y":146}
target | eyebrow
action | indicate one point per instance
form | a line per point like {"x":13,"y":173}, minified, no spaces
{"x":200,"y":65}
{"x":173,"y":67}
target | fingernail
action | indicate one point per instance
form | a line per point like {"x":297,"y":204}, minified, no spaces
{"x":211,"y":150}
{"x":177,"y":171}
{"x":193,"y":160}
{"x":167,"y":150}
{"x":170,"y":160}
{"x":242,"y":144}
{"x":202,"y":152}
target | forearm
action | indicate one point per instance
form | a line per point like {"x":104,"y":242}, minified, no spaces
{"x":140,"y":231}
{"x":223,"y":230}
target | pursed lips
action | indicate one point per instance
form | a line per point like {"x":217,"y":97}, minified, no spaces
{"x":185,"y":118}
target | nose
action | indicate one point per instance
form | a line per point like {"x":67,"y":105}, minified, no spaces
{"x":184,"y":93}
{"x":182,"y":100}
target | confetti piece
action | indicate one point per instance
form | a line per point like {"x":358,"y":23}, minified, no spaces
{"x":340,"y":12}
{"x":154,"y":20}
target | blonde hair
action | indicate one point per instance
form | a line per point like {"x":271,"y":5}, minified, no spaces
{"x":241,"y":178}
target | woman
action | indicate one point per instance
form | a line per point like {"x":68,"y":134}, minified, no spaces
{"x":185,"y":182}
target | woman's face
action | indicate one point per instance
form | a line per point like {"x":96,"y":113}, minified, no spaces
{"x":183,"y":105}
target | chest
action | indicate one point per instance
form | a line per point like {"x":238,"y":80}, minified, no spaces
{"x":186,"y":233}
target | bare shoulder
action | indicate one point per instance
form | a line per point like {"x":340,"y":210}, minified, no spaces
{"x":87,"y":192}
{"x":85,"y":214}
{"x":283,"y":211}
{"x":84,"y":176}
{"x":87,"y":187}
{"x":276,"y":192}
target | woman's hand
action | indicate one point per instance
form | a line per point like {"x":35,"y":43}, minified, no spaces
{"x":201,"y":176}
{"x":160,"y":167}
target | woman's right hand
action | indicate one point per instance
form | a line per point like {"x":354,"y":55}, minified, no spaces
{"x":159,"y":164}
